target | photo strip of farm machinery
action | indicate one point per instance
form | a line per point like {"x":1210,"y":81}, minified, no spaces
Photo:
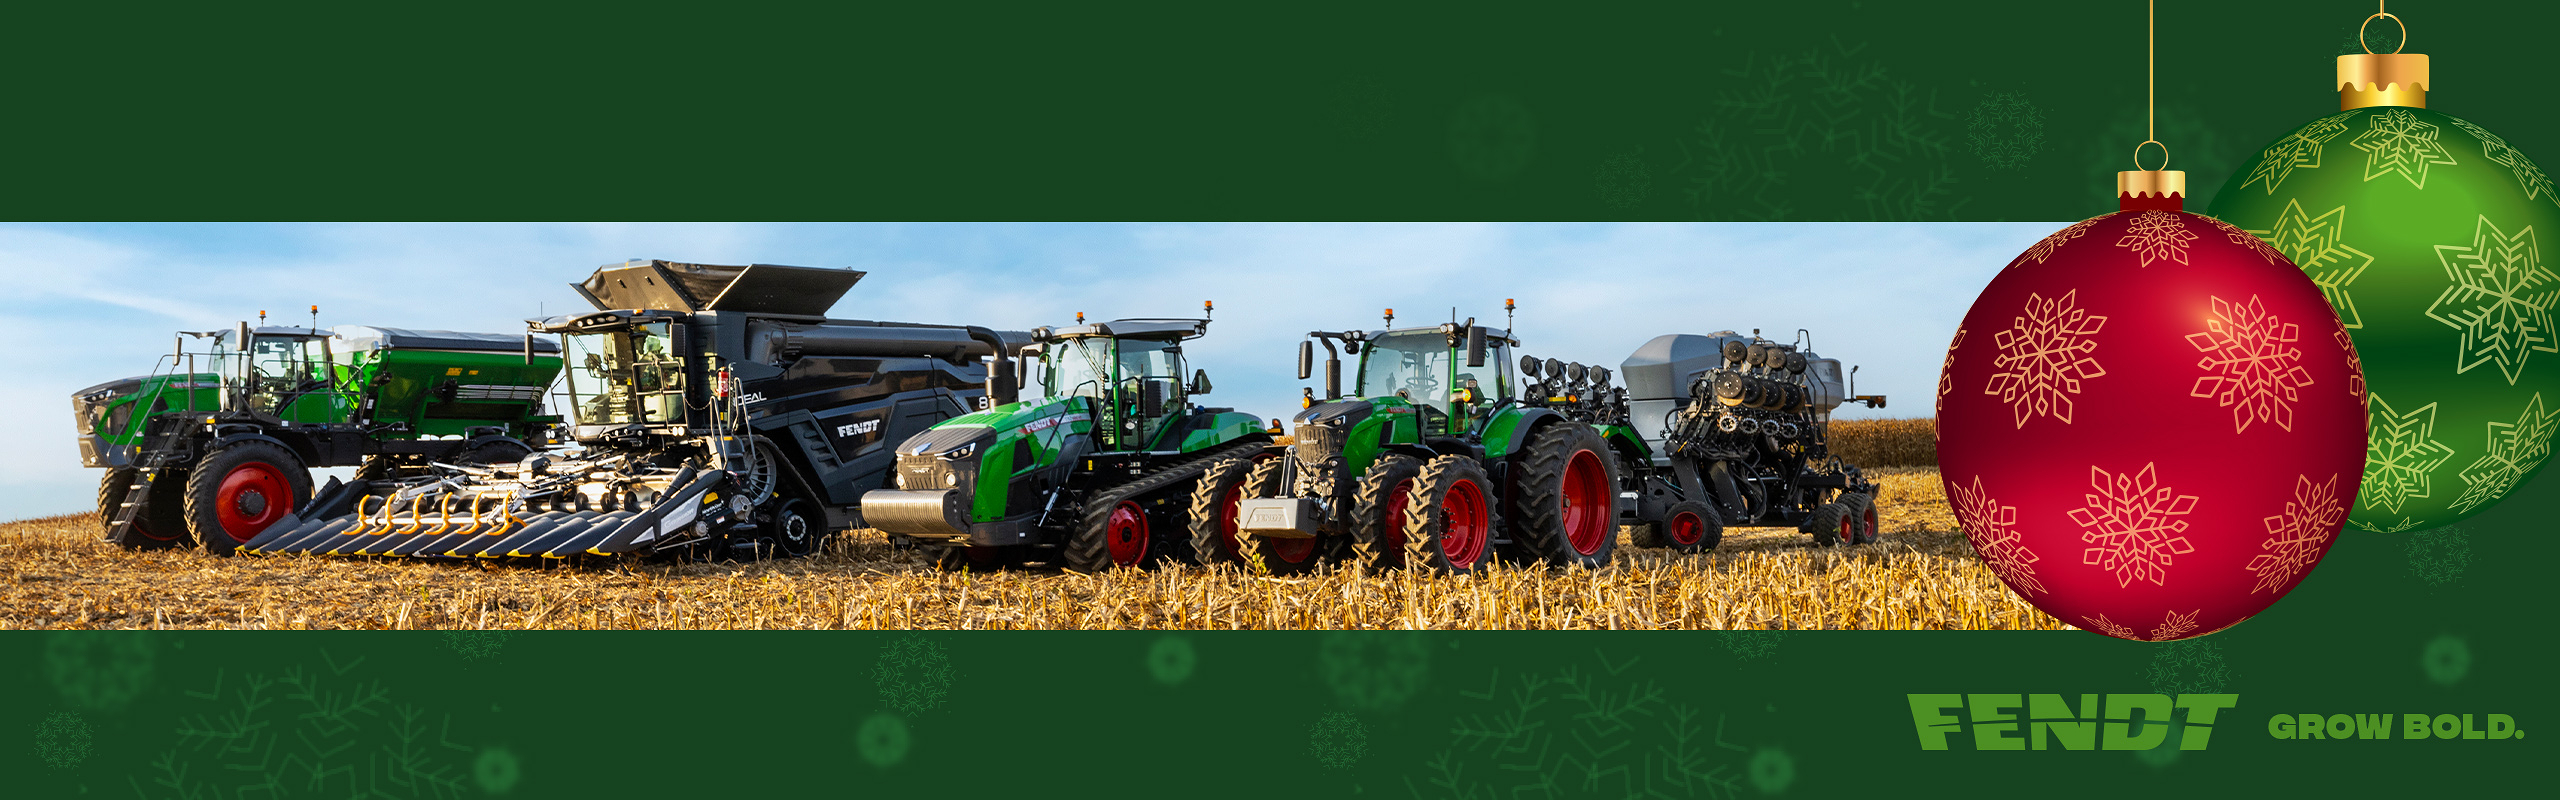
{"x":718,"y":412}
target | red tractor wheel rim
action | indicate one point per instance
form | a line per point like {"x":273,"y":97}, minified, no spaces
{"x":1848,"y":529}
{"x":1686,"y":528}
{"x":1462,"y":539}
{"x":252,"y":497}
{"x":1126,"y":534}
{"x":1868,"y":524}
{"x":1227,"y":521}
{"x":1588,"y":504}
{"x":1394,"y":534}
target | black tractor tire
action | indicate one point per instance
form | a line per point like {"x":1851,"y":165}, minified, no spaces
{"x":237,"y":491}
{"x":161,"y":523}
{"x":1566,"y":499}
{"x":1378,"y":506}
{"x":1450,"y":518}
{"x":1213,"y":511}
{"x":796,"y":529}
{"x":1280,"y":556}
{"x":1113,"y":531}
{"x":1862,"y":511}
{"x":1690,"y":526}
{"x":1832,"y":525}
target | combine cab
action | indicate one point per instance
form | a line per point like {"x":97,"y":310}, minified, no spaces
{"x":1099,"y":474}
{"x":217,"y":444}
{"x":717,"y":411}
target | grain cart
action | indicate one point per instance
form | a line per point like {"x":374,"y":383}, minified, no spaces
{"x":717,"y":411}
{"x":1432,"y":458}
{"x":1738,"y":427}
{"x":1098,"y":474}
{"x":216,"y":445}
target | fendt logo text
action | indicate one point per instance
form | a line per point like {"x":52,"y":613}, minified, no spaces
{"x":2048,"y":721}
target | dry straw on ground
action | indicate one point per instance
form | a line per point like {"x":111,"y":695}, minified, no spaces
{"x":1886,"y":442}
{"x":1918,"y":575}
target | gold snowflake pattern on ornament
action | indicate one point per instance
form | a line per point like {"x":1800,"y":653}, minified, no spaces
{"x":2400,"y":453}
{"x":2318,"y":246}
{"x":2247,"y":239}
{"x":1947,"y":371}
{"x":2254,"y":361}
{"x":2404,"y":525}
{"x":2535,"y":183}
{"x":2103,"y":625}
{"x":1994,"y":532}
{"x":2155,"y":235}
{"x":2296,"y":537}
{"x":2044,"y":355}
{"x":2299,"y":150}
{"x":2500,"y":299}
{"x":2052,"y":243}
{"x":2130,"y":530}
{"x":2400,"y":143}
{"x":2515,"y":448}
{"x":2355,"y":363}
{"x":2175,"y":625}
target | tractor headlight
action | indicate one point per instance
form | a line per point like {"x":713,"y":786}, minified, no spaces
{"x":961,"y":452}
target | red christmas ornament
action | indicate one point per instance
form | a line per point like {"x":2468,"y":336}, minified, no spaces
{"x":2150,"y":423}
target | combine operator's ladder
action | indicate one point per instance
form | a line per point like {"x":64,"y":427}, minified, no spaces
{"x":135,"y":496}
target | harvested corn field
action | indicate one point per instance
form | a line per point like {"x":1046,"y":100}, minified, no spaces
{"x":1886,"y":442}
{"x":1919,"y":575}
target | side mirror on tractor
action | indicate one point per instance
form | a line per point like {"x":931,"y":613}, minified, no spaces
{"x":1475,"y":345}
{"x":1306,"y":359}
{"x":1199,"y":381}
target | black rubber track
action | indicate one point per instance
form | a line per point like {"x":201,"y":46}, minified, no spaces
{"x":1086,"y":550}
{"x":1538,"y":504}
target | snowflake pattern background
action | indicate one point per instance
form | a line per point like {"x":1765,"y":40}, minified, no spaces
{"x":2157,"y":235}
{"x":913,"y":674}
{"x":1581,"y":732}
{"x":2253,"y":358}
{"x":2400,"y":456}
{"x":1370,"y":672}
{"x":1992,"y":528}
{"x":2398,"y":143}
{"x":2500,"y":300}
{"x":62,"y":740}
{"x":1624,"y":180}
{"x":2514,"y":449}
{"x":2188,"y":666}
{"x":2297,"y":537}
{"x":2318,"y":245}
{"x":1751,"y":645}
{"x":1833,"y":116}
{"x":1337,"y":740}
{"x":2005,"y":131}
{"x":2438,"y":556}
{"x":2129,"y":528}
{"x":309,"y":733}
{"x":2044,"y":355}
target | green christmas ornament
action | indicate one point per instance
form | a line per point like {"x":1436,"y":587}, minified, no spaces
{"x":2423,"y":230}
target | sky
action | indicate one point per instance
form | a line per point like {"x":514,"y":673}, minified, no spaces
{"x":89,"y":303}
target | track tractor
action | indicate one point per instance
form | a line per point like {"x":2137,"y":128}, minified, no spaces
{"x":1432,"y":462}
{"x":1097,"y":474}
{"x":1738,"y":427}
{"x":718,"y":412}
{"x":217,"y":444}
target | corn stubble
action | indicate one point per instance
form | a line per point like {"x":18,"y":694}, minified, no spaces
{"x":1919,"y":575}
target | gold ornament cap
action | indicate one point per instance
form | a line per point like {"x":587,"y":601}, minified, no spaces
{"x":2366,"y":80}
{"x":2151,"y":190}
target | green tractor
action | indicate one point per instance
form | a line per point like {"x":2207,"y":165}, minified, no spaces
{"x":1432,"y":462}
{"x":1095,"y":475}
{"x":217,"y":445}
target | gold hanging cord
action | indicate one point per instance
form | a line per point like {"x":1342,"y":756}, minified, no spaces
{"x":2151,"y":90}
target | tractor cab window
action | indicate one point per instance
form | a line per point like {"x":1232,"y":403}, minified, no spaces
{"x":1079,"y":368}
{"x":282,"y":365}
{"x":1414,"y":364}
{"x":1143,"y":361}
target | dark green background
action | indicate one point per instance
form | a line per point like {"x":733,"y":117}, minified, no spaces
{"x":1831,"y":111}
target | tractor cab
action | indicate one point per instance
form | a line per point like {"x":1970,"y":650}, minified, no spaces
{"x":1430,"y":368}
{"x":1131,"y":369}
{"x":286,"y":372}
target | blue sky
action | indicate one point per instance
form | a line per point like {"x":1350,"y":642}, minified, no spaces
{"x":92,"y":302}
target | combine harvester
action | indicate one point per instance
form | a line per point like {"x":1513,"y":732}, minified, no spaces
{"x":718,"y":412}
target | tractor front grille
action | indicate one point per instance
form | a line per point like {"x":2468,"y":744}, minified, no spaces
{"x":1318,"y":441}
{"x":919,"y":473}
